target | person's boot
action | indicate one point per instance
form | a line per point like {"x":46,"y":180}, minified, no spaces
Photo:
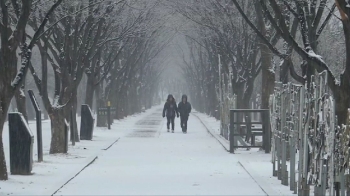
{"x":168,"y":130}
{"x":172,"y":130}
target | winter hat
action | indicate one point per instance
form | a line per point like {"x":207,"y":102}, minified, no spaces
{"x":184,"y":96}
{"x":170,"y":96}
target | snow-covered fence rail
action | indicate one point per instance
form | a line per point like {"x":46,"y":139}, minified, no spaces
{"x":303,"y":137}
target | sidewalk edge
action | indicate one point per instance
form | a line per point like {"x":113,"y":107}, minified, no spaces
{"x":260,"y":182}
{"x":217,"y":137}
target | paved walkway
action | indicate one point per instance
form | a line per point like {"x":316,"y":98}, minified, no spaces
{"x":150,"y":161}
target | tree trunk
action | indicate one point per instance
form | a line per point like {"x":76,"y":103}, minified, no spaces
{"x":21,"y":102}
{"x":73,"y":109}
{"x":284,"y":71}
{"x":46,"y":116}
{"x":98,"y":97}
{"x":89,"y":96}
{"x":6,"y":96}
{"x":238,"y":89}
{"x":3,"y":168}
{"x":57,"y":131}
{"x":268,"y":77}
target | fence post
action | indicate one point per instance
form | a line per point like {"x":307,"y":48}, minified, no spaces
{"x":265,"y":117}
{"x":323,"y":179}
{"x":284,"y":139}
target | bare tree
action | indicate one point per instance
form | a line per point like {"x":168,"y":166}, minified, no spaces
{"x":307,"y":51}
{"x":12,"y":39}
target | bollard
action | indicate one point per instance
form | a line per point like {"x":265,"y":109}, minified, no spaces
{"x":38,"y":125}
{"x":21,"y":145}
{"x":87,"y":123}
{"x":109,"y":114}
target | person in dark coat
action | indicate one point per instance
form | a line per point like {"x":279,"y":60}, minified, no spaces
{"x":170,"y":111}
{"x":184,"y":110}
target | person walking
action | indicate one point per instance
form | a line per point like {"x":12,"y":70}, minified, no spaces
{"x":170,"y":110}
{"x":184,"y":110}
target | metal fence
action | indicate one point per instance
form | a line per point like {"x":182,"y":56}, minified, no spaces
{"x":307,"y":146}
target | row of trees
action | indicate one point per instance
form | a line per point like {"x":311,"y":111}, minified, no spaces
{"x":260,"y":42}
{"x":106,"y":47}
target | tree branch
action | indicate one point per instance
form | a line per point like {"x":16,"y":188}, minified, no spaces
{"x":261,"y":36}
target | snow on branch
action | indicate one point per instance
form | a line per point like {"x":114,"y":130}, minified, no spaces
{"x":26,"y":54}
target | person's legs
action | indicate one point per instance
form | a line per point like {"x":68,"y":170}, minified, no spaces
{"x":185,"y":123}
{"x":172,"y":124}
{"x":181,"y":121}
{"x":168,"y":123}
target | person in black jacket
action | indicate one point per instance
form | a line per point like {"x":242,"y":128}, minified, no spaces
{"x":170,"y":110}
{"x":185,"y":110}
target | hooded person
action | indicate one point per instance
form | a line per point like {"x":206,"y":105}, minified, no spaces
{"x":184,"y":108}
{"x":170,"y":111}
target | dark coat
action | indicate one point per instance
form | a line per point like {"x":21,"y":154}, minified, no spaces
{"x":170,"y":108}
{"x":184,"y":108}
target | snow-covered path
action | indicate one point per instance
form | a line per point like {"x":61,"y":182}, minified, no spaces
{"x":150,"y":161}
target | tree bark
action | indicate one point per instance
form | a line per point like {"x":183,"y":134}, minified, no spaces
{"x":21,"y":102}
{"x":90,"y":88}
{"x":73,"y":109}
{"x":3,"y":114}
{"x":342,"y":95}
{"x":57,"y":131}
{"x":268,"y":77}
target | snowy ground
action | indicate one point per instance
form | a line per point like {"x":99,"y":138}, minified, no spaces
{"x":56,"y":170}
{"x":256,"y":163}
{"x":146,"y":160}
{"x":161,"y":163}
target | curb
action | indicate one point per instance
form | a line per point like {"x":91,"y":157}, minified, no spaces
{"x":263,"y":186}
{"x":67,"y":178}
{"x":86,"y":164}
{"x":109,"y":146}
{"x":217,"y":138}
